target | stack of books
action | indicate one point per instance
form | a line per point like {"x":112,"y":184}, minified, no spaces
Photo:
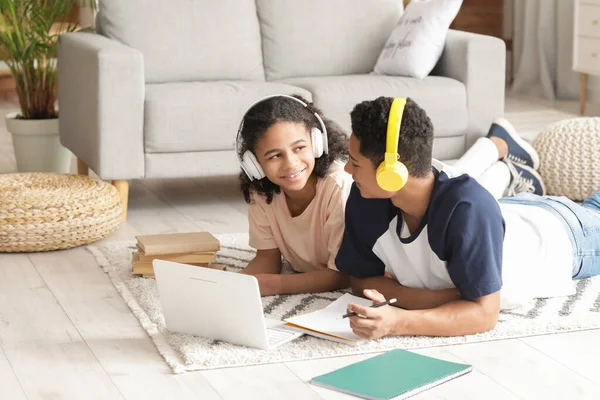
{"x":194,"y":248}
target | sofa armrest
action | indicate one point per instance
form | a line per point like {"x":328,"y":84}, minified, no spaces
{"x":101,"y":101}
{"x":478,"y":61}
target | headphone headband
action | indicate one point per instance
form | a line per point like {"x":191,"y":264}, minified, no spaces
{"x":238,"y":147}
{"x":393,"y":127}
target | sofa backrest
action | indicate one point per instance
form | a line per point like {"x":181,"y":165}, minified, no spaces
{"x":324,"y":37}
{"x":183,"y":40}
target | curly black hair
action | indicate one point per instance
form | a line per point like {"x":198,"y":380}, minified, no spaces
{"x":369,"y":125}
{"x":282,"y":109}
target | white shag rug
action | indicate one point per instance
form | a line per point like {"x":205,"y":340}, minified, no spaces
{"x":189,"y":353}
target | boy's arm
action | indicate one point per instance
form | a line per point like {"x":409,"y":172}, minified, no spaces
{"x":407,"y":298}
{"x":459,"y":317}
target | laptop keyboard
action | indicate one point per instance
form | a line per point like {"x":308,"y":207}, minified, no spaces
{"x":275,"y":336}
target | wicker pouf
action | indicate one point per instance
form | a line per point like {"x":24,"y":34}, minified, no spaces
{"x":570,"y":157}
{"x":41,"y":211}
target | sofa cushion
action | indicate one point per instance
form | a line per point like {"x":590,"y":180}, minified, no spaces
{"x":184,"y":40}
{"x":444,"y":99}
{"x":322,"y":38}
{"x":201,"y":116}
{"x":449,"y":147}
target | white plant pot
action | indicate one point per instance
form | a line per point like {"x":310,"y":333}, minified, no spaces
{"x":37,"y":145}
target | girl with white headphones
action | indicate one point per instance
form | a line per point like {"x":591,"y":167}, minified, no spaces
{"x":293,"y":180}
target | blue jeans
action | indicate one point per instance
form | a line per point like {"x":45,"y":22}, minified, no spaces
{"x":582,"y":223}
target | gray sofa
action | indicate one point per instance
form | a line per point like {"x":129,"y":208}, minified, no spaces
{"x":159,"y":90}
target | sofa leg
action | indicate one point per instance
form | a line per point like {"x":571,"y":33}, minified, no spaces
{"x":123,"y":189}
{"x":82,"y":169}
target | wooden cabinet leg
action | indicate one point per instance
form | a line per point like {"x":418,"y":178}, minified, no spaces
{"x":583,"y":77}
{"x":123,"y":189}
{"x":82,"y":169}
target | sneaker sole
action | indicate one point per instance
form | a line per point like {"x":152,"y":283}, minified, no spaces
{"x":535,"y":159}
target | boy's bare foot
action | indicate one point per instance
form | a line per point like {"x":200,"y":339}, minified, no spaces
{"x":501,"y":145}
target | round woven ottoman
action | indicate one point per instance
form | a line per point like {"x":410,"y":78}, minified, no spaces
{"x":570,"y":157}
{"x":40,"y":211}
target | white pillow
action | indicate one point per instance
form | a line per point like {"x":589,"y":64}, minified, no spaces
{"x":417,"y":41}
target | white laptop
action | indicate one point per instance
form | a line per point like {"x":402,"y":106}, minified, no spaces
{"x":216,"y":304}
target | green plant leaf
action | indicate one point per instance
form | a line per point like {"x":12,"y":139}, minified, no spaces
{"x":29,"y":32}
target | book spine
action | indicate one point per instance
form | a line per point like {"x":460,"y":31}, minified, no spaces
{"x":158,"y":250}
{"x":146,"y":269}
{"x":181,"y":258}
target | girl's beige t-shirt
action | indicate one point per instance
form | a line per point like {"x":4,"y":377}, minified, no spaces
{"x":311,"y":240}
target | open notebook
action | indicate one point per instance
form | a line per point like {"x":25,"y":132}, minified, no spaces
{"x":328,"y":323}
{"x":397,"y":374}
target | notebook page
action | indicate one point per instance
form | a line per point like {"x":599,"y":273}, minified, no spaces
{"x":329,"y":319}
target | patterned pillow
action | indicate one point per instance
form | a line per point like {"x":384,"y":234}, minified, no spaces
{"x":417,"y":42}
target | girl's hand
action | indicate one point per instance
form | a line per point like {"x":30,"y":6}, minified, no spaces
{"x":373,"y":323}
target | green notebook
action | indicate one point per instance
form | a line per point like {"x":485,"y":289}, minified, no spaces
{"x":397,"y":374}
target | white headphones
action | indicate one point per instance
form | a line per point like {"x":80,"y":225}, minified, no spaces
{"x":248,"y":161}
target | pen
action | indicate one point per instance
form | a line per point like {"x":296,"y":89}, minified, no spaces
{"x":385,"y":303}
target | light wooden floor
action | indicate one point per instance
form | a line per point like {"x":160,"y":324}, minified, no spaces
{"x":65,"y":333}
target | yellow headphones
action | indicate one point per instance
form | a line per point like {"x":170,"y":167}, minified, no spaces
{"x":391,"y":173}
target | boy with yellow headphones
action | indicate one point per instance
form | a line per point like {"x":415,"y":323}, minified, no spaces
{"x":435,"y":239}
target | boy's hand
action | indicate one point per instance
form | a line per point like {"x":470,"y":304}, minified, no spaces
{"x":373,"y":323}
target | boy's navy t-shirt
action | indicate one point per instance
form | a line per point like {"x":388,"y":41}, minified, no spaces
{"x":458,"y":243}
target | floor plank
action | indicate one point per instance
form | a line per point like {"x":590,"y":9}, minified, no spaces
{"x":149,"y":214}
{"x":473,"y":385}
{"x":308,"y":369}
{"x":111,"y":331}
{"x":579,"y":351}
{"x":529,"y":119}
{"x":272,"y":381}
{"x":525,"y":371}
{"x":194,"y":198}
{"x":227,"y":190}
{"x":44,"y":349}
{"x":10,"y":388}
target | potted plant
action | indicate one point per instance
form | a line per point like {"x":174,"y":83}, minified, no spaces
{"x":29,"y":31}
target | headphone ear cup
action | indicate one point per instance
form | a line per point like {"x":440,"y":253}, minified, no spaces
{"x":316,"y":137}
{"x":325,"y":143}
{"x":251,"y":166}
{"x":392,"y":177}
{"x":259,"y":171}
